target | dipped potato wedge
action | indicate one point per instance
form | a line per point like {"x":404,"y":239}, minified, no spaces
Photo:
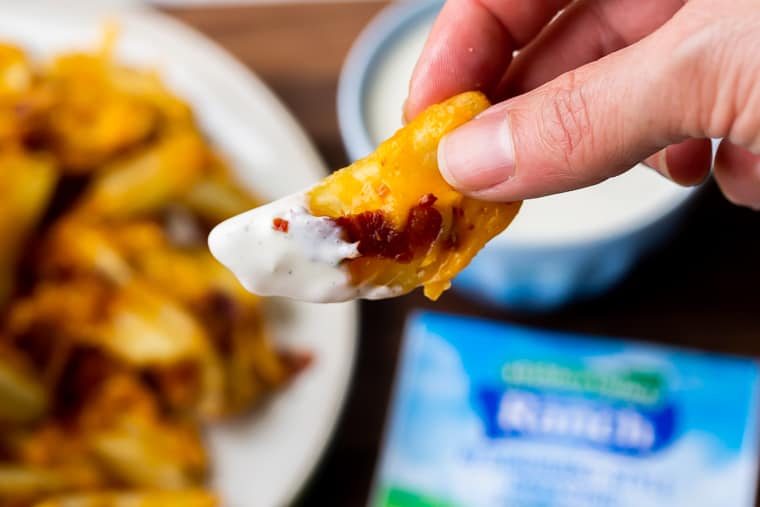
{"x":378,"y":228}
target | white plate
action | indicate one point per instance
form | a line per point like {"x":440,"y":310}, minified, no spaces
{"x":265,"y":459}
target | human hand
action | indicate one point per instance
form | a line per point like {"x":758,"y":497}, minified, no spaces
{"x":607,"y":84}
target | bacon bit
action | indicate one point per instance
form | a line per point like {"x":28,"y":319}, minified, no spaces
{"x":176,"y":381}
{"x":280,"y":224}
{"x":383,"y":190}
{"x":377,"y":237}
{"x":220,"y":311}
{"x":295,"y":361}
{"x":427,"y":200}
{"x":423,"y":226}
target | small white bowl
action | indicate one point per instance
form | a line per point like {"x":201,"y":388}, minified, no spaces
{"x":560,"y":248}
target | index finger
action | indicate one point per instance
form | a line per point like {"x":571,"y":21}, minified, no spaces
{"x":471,"y":46}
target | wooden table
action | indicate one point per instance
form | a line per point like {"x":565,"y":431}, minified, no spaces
{"x":702,"y":290}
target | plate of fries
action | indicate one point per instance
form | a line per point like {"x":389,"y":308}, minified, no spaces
{"x":134,"y":369}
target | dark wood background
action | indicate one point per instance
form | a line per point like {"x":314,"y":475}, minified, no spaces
{"x":701,"y":290}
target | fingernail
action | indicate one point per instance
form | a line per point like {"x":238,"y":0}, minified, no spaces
{"x":479,"y":154}
{"x":689,"y":170}
{"x":496,"y":108}
{"x":662,"y":163}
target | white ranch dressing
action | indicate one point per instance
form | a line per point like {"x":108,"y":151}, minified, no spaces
{"x":304,"y":263}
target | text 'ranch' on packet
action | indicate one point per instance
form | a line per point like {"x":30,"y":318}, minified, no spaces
{"x":490,"y":415}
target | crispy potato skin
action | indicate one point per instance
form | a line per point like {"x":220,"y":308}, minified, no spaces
{"x":394,"y":180}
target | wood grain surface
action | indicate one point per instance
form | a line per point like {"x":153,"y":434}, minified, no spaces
{"x":700,"y":290}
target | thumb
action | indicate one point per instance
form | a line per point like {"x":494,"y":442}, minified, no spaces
{"x":585,"y":126}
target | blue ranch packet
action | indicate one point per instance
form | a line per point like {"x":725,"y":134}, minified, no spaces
{"x":493,"y":415}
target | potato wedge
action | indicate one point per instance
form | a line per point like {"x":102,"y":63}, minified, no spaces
{"x":26,"y":186}
{"x":20,"y":483}
{"x":412,"y":228}
{"x":190,"y":498}
{"x":23,"y":398}
{"x":143,"y":183}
